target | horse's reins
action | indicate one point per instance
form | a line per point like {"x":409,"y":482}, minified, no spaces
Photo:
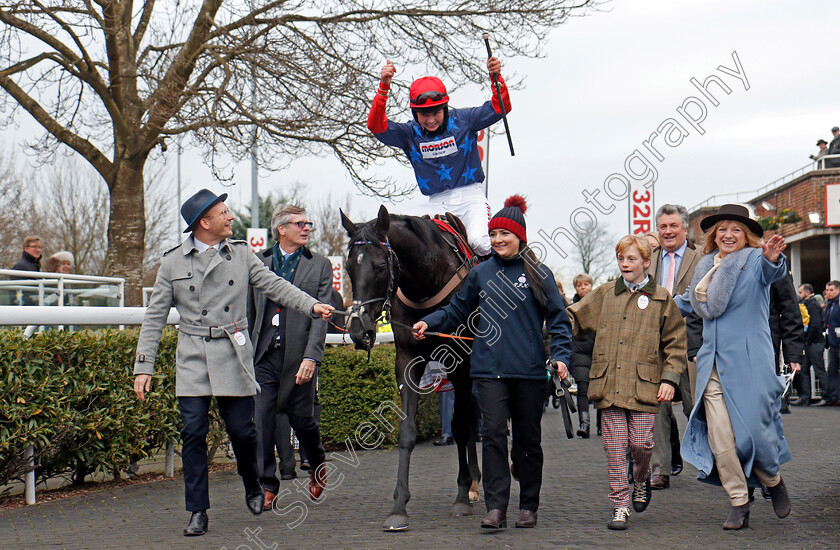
{"x":403,"y":325}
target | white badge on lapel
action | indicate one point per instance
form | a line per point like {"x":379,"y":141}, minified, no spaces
{"x":240,"y":338}
{"x":643,"y":302}
{"x":275,"y":321}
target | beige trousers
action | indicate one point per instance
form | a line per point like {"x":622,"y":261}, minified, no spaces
{"x":722,"y":442}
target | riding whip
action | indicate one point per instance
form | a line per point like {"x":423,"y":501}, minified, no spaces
{"x":498,"y":88}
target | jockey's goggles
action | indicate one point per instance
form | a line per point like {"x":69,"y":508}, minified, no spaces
{"x":425,"y":97}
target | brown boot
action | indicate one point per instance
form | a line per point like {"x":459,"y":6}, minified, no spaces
{"x":739,"y":517}
{"x":780,"y":498}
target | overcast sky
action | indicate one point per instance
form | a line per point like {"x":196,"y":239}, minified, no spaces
{"x":609,"y":80}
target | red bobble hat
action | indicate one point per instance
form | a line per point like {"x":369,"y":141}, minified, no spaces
{"x":428,"y":91}
{"x":511,"y":217}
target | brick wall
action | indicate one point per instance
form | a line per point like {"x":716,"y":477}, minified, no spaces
{"x":803,"y":195}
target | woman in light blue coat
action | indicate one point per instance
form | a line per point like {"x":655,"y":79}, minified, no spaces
{"x":734,"y":435}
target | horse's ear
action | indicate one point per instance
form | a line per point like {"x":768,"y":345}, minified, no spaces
{"x":383,"y":220}
{"x":348,"y":224}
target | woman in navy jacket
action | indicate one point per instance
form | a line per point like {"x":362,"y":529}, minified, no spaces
{"x":505,"y":301}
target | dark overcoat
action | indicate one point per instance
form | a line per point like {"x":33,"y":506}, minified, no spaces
{"x":304,"y":336}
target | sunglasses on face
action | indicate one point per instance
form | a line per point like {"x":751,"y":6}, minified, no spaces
{"x":425,"y":97}
{"x":302,"y":224}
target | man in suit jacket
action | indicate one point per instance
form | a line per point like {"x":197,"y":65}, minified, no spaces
{"x":206,"y":278}
{"x":673,"y":267}
{"x":289,"y":347}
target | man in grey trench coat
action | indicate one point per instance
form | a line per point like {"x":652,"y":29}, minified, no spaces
{"x":206,"y":278}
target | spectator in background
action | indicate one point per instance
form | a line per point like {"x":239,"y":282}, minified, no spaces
{"x":30,"y":259}
{"x":582,"y":347}
{"x":823,"y":145}
{"x":814,"y":346}
{"x":834,"y":149}
{"x":653,"y":239}
{"x":831,"y":394}
{"x":562,"y":293}
{"x":60,"y":262}
{"x":786,"y":327}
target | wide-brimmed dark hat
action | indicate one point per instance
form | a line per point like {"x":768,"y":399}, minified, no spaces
{"x":734,"y":212}
{"x":196,"y":206}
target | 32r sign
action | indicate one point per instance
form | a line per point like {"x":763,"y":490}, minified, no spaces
{"x":641,"y":211}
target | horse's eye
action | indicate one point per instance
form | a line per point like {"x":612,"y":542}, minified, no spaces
{"x":380,"y":268}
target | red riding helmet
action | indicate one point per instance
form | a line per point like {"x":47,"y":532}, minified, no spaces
{"x":428,"y":91}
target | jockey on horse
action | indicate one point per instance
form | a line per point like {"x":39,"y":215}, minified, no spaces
{"x":441,"y":144}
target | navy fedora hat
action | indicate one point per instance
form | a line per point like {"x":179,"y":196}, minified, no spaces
{"x":196,"y":206}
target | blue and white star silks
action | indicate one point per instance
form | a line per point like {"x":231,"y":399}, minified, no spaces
{"x":456,"y":167}
{"x":443,"y":173}
{"x":468,"y":175}
{"x":467,"y":146}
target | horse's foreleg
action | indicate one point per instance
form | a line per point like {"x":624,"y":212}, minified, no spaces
{"x":397,"y":520}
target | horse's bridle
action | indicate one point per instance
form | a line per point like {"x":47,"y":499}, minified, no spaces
{"x":355,"y":310}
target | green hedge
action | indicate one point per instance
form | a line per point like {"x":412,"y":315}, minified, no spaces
{"x":70,"y":394}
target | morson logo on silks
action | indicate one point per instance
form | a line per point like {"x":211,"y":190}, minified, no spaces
{"x":439,"y":148}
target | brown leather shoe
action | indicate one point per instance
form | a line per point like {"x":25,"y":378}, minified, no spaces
{"x":659,"y":482}
{"x":527,"y":519}
{"x":495,"y":519}
{"x":316,"y":487}
{"x":269,"y":500}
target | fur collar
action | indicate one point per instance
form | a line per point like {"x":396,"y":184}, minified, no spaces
{"x":723,"y":282}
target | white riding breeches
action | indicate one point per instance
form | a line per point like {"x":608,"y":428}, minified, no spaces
{"x":469,"y":204}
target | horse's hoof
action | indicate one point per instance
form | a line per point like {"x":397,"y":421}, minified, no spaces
{"x":461,"y":509}
{"x":475,"y":496}
{"x":395,"y":522}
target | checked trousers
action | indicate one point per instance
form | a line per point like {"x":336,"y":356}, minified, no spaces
{"x":623,"y":428}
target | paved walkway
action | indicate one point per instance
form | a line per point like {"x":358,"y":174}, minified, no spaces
{"x":573,"y":513}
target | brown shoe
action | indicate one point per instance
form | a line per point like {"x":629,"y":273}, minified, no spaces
{"x":495,"y":519}
{"x":527,"y":519}
{"x":269,"y":500}
{"x":660,"y":482}
{"x":316,"y":487}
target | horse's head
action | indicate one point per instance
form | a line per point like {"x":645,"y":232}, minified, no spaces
{"x":374,"y":273}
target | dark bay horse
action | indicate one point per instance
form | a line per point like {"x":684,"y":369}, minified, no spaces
{"x":409,"y":254}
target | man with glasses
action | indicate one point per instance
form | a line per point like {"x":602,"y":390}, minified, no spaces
{"x":206,"y":278}
{"x":30,"y":258}
{"x":288,"y":348}
{"x":441,"y":144}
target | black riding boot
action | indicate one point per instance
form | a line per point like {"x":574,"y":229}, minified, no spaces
{"x":583,"y":431}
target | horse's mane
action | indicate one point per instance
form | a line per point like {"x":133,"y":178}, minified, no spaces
{"x":421,"y":227}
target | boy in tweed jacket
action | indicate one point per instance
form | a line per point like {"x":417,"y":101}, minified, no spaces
{"x":639,"y":354}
